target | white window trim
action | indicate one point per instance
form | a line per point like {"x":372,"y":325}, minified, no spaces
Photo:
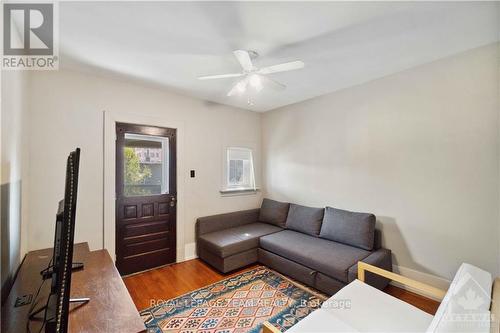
{"x":235,"y":190}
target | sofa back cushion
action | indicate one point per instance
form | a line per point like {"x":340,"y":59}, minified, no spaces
{"x":305,"y":219}
{"x":274,"y":212}
{"x":351,"y":228}
{"x":469,"y":296}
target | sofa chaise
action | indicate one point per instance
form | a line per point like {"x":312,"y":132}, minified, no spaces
{"x":319,"y":247}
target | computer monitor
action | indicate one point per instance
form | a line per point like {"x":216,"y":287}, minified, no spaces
{"x":57,"y":307}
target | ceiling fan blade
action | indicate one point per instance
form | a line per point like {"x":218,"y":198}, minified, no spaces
{"x":272,"y":83}
{"x":287,"y":66}
{"x":244,"y":59}
{"x":239,"y":88}
{"x":221,"y":76}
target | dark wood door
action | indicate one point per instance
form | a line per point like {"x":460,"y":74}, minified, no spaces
{"x":146,"y":195}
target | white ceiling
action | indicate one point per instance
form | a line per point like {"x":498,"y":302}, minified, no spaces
{"x":341,"y":43}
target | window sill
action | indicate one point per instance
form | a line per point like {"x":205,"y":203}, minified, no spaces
{"x":238,"y":191}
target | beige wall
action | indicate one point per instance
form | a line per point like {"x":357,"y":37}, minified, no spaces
{"x":418,"y":148}
{"x":67,"y":112}
{"x":14,"y":166}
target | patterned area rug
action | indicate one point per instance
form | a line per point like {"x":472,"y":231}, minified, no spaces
{"x":237,"y":304}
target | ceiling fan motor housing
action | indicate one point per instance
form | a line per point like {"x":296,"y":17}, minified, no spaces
{"x":253,"y":54}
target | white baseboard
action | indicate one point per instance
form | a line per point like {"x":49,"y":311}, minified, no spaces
{"x":432,"y":280}
{"x":190,"y":251}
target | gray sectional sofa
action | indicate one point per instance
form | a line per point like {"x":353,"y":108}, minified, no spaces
{"x":319,"y":247}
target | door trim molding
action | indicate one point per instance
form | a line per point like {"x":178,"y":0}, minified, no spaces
{"x":109,"y":167}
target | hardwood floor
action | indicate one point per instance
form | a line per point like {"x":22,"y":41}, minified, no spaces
{"x":168,"y":282}
{"x":171,"y":281}
{"x":423,"y":303}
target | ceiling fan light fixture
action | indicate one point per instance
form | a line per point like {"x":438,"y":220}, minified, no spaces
{"x":256,"y":82}
{"x":241,"y":86}
{"x":254,"y":76}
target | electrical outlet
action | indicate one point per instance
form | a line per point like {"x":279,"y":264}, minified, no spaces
{"x":192,"y":173}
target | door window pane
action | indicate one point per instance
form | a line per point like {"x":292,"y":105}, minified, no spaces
{"x":145,"y":165}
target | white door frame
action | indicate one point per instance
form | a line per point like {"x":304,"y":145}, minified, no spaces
{"x":109,"y":158}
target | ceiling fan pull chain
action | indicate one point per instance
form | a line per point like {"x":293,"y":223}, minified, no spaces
{"x":249,"y":101}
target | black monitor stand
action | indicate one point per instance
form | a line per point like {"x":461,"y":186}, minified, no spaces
{"x":71,"y":300}
{"x":47,"y":272}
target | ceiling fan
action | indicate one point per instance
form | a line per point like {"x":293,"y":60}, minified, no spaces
{"x":253,"y":76}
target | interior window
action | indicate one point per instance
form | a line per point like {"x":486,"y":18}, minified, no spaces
{"x":239,"y":169}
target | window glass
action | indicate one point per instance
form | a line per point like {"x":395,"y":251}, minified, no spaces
{"x":145,"y":165}
{"x":239,"y":169}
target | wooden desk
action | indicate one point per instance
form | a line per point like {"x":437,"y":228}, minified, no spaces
{"x":110,"y":308}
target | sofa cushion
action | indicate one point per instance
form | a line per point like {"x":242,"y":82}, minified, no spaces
{"x":234,"y":240}
{"x":330,"y":258}
{"x":274,"y":212}
{"x":305,"y":219}
{"x":351,"y":228}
